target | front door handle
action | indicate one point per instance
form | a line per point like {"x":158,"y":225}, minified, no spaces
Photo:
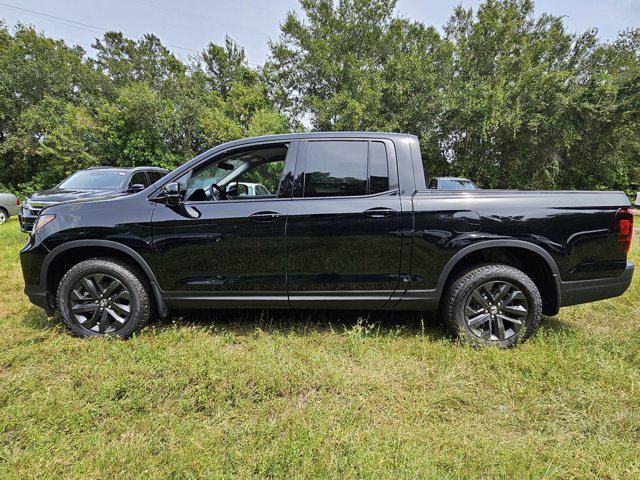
{"x":265,"y":216}
{"x":379,"y":212}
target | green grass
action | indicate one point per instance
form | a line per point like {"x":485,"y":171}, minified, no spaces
{"x":305,"y":395}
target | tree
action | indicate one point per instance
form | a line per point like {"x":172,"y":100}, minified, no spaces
{"x":134,"y":104}
{"x":124,"y":60}
{"x":506,"y":97}
{"x":349,"y":66}
{"x":41,"y":79}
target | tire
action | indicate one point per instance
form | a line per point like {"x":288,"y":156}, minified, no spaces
{"x":493,"y":305}
{"x":91,"y":306}
{"x":4,"y":216}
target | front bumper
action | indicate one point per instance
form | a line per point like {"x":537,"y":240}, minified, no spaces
{"x":32,"y":257}
{"x":27,"y":220}
{"x":41,"y":298}
{"x":584,"y":291}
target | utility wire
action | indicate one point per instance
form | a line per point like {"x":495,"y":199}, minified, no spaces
{"x":86,"y":26}
{"x":199,"y":17}
{"x":242,"y":2}
{"x":83,"y":25}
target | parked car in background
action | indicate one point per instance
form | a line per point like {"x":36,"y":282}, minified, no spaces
{"x":351,"y":224}
{"x":94,"y":182}
{"x":450,"y":183}
{"x":244,"y":189}
{"x":9,"y":206}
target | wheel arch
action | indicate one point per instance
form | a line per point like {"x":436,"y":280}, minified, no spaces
{"x":532,"y":259}
{"x":59,"y":259}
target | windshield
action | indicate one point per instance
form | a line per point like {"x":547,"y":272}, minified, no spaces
{"x":95,"y":180}
{"x":450,"y":184}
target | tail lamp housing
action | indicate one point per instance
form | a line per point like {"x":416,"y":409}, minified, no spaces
{"x":624,"y":229}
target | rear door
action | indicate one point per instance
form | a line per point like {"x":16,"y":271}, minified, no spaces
{"x":343,"y":234}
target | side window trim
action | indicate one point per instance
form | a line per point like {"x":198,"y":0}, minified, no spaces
{"x":301,"y":167}
{"x":289,"y":164}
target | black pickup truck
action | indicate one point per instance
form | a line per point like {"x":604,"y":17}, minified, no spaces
{"x":351,"y":225}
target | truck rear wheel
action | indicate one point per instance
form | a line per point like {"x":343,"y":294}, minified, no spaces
{"x":493,"y":305}
{"x":103,"y":296}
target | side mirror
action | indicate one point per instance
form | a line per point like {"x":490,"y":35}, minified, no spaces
{"x":172,"y":196}
{"x":136,"y":187}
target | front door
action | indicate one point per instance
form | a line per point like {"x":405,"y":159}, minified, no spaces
{"x":226,"y":242}
{"x":344,"y":226}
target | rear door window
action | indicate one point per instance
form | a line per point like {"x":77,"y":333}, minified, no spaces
{"x":336,"y":168}
{"x":340,"y":168}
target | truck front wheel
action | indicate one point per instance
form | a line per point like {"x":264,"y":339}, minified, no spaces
{"x":493,"y":304}
{"x":104,"y":296}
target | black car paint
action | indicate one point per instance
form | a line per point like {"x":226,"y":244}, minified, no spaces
{"x":335,"y":251}
{"x":56,"y":195}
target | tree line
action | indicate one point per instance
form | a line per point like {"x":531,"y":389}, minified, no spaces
{"x":502,"y":95}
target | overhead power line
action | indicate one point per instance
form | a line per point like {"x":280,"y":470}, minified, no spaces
{"x":82,"y":25}
{"x":199,"y":17}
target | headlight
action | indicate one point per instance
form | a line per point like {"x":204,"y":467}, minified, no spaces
{"x":42,"y":221}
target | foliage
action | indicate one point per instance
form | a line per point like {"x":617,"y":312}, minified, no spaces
{"x":135,"y":103}
{"x":507,"y":98}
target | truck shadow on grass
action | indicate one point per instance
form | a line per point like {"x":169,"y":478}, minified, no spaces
{"x":299,"y":322}
{"x":36,"y":318}
{"x":309,"y":322}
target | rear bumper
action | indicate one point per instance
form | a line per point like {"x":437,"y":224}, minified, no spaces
{"x":584,"y":291}
{"x":13,"y":210}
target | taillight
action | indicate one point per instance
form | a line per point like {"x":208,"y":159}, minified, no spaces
{"x":624,"y":229}
{"x":17,"y":201}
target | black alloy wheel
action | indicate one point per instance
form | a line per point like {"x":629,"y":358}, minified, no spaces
{"x":496,"y":310}
{"x":100,"y":303}
{"x":104,"y":297}
{"x":493,"y":304}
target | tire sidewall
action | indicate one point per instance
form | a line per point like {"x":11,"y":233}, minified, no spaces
{"x":4,"y":216}
{"x":115,"y":270}
{"x":489,"y":273}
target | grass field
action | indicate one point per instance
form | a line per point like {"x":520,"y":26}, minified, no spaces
{"x":316,"y":395}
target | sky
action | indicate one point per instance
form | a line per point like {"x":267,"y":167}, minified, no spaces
{"x":187,"y":26}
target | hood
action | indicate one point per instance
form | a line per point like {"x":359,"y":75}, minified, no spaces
{"x":59,"y":195}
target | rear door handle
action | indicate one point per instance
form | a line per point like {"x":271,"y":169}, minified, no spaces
{"x":265,"y":216}
{"x":379,"y":212}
